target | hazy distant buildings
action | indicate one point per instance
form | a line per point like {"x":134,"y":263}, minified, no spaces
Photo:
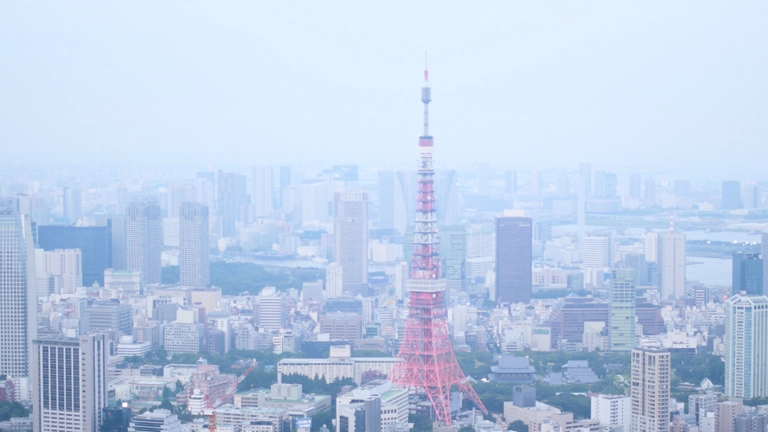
{"x":453,"y":247}
{"x":514,"y":240}
{"x":143,"y":239}
{"x":621,"y":320}
{"x":746,"y":346}
{"x":230,"y":201}
{"x":585,"y":179}
{"x":747,"y":274}
{"x":764,"y":252}
{"x":94,"y":243}
{"x":510,"y":182}
{"x":670,"y":265}
{"x":73,"y":204}
{"x":731,"y":195}
{"x":63,"y":268}
{"x":69,"y":383}
{"x":261,"y":192}
{"x":351,"y":239}
{"x":651,"y":378}
{"x":635,"y":186}
{"x":194,"y":253}
{"x":650,"y":191}
{"x":18,"y":293}
{"x":178,"y":194}
{"x":386,"y":204}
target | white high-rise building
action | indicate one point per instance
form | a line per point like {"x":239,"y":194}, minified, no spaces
{"x":69,"y":383}
{"x":649,"y":404}
{"x":18,"y":291}
{"x":650,"y":246}
{"x":194,"y":253}
{"x":351,"y":239}
{"x":401,"y":276}
{"x":746,"y":346}
{"x":596,"y":252}
{"x":179,"y":194}
{"x":334,"y":283}
{"x":144,"y":239}
{"x":273,"y":314}
{"x":63,"y":267}
{"x":261,"y":192}
{"x":670,"y":265}
{"x":611,"y":411}
{"x":621,"y":317}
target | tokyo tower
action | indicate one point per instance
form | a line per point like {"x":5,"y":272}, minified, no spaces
{"x":426,"y":361}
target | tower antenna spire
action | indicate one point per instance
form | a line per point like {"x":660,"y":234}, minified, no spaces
{"x":426,"y":68}
{"x":671,"y":222}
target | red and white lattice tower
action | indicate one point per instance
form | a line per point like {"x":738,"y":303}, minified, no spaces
{"x":426,"y":361}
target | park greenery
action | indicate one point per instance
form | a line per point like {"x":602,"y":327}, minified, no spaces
{"x":235,"y":278}
{"x":10,"y":410}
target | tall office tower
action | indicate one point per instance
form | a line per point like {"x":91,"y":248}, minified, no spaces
{"x":596,"y":252}
{"x":638,"y":263}
{"x":650,"y":190}
{"x":635,"y":186}
{"x":73,"y":204}
{"x":144,"y":240}
{"x":611,"y":185}
{"x":426,"y":362}
{"x":386,"y":204}
{"x":314,"y":202}
{"x":178,"y":194}
{"x":682,"y":188}
{"x":482,"y":179}
{"x":585,"y":179}
{"x":751,"y":196}
{"x":651,"y":373}
{"x":334,"y":281}
{"x":731,"y":198}
{"x":599,"y":184}
{"x":670,"y":264}
{"x":764,"y":254}
{"x":18,"y":294}
{"x":69,"y":383}
{"x":651,"y":246}
{"x":285,"y":180}
{"x":94,"y":242}
{"x":447,"y":189}
{"x":194,"y":253}
{"x":746,"y":346}
{"x":453,"y":247}
{"x":261,"y":193}
{"x":514,"y":255}
{"x":273,"y":313}
{"x":350,"y":230}
{"x":116,"y":226}
{"x":510,"y":182}
{"x":230,"y":201}
{"x":621,"y":320}
{"x":65,"y":267}
{"x":563,"y":185}
{"x":205,"y":183}
{"x":401,"y":279}
{"x":747,"y":274}
{"x":534,"y":183}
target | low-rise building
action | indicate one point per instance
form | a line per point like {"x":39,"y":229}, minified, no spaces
{"x":285,"y":396}
{"x":377,"y":399}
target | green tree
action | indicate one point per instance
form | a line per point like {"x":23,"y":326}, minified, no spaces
{"x":324,"y":418}
{"x":518,"y":426}
{"x":10,"y":410}
{"x":420,"y":423}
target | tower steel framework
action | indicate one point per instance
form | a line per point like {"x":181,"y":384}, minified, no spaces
{"x":426,"y":361}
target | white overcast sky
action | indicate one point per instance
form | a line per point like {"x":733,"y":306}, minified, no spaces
{"x":515,"y":83}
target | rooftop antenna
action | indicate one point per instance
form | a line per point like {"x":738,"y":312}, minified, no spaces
{"x":671,"y":222}
{"x":426,"y":69}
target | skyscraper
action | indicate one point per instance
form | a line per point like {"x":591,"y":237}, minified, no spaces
{"x":764,"y":252}
{"x":596,"y":252}
{"x":453,"y":247}
{"x":611,"y":185}
{"x":178,"y":194}
{"x":94,"y":242}
{"x":514,"y":255}
{"x":144,"y":240}
{"x":746,"y":346}
{"x":230,"y":200}
{"x":73,"y":204}
{"x":621,"y":319}
{"x":651,"y":374}
{"x":351,"y":239}
{"x":747,"y":274}
{"x":670,"y":264}
{"x":285,"y":180}
{"x":18,"y":295}
{"x":599,"y":184}
{"x":731,"y":195}
{"x":194,"y":253}
{"x":334,"y":283}
{"x":261,"y":192}
{"x":510,"y":182}
{"x":69,"y":383}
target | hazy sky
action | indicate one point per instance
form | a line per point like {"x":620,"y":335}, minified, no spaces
{"x":518,"y":84}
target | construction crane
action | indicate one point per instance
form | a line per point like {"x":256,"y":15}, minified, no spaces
{"x":212,"y":405}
